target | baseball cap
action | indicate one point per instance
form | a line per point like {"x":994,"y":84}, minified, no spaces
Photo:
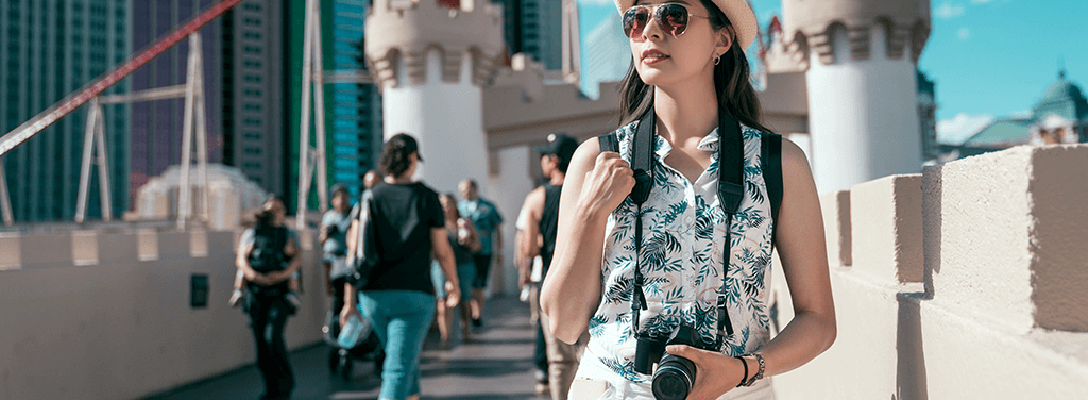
{"x":559,"y":144}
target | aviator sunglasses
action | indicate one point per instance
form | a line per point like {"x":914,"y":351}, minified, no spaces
{"x":672,"y":18}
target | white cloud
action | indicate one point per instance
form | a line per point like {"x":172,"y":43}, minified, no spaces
{"x":961,"y":127}
{"x":947,"y":10}
{"x":964,"y":33}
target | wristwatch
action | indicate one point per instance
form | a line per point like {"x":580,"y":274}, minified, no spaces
{"x":759,"y":373}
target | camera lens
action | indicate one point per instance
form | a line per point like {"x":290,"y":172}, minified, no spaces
{"x":673,"y":378}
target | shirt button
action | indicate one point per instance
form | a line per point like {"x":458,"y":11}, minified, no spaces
{"x":688,"y":219}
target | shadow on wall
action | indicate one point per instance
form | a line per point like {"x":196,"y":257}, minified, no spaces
{"x":931,"y":228}
{"x":910,"y":371}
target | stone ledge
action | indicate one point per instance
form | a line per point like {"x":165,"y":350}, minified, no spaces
{"x":886,"y":227}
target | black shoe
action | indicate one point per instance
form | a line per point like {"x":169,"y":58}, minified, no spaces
{"x":477,"y":322}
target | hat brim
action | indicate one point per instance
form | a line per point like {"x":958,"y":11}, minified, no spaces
{"x":738,"y":12}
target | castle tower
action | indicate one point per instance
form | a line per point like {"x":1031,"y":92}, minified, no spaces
{"x":860,"y":60}
{"x":430,"y":59}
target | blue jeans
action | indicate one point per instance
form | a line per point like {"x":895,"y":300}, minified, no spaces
{"x":401,"y":319}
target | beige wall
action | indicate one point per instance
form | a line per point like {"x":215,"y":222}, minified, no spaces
{"x":998,"y":241}
{"x":84,"y":318}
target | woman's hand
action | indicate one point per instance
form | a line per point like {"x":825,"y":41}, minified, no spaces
{"x":607,"y":184}
{"x":453,"y":294}
{"x":347,"y":312}
{"x":278,"y":276}
{"x":716,"y":373}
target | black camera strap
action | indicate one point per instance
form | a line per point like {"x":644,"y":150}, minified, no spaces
{"x":730,"y":196}
{"x":641,"y":164}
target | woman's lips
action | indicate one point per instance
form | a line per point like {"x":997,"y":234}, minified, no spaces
{"x":650,"y":57}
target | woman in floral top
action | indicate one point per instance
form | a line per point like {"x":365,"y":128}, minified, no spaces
{"x":689,"y":66}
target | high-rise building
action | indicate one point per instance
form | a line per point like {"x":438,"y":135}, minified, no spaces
{"x":535,"y":27}
{"x":353,"y":111}
{"x":49,"y":49}
{"x":243,"y":89}
{"x":254,"y":93}
{"x":927,"y":116}
{"x":157,"y":125}
{"x":607,"y":55}
{"x":355,"y":129}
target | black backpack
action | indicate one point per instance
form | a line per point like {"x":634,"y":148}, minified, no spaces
{"x":267,"y":254}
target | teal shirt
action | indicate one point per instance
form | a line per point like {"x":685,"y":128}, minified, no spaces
{"x":485,"y":216}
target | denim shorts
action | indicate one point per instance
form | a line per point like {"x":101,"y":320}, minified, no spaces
{"x":466,"y":272}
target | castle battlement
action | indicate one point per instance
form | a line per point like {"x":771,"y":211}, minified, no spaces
{"x":810,"y":26}
{"x":401,"y":32}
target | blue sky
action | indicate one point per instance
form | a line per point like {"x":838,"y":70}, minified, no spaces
{"x":989,"y":58}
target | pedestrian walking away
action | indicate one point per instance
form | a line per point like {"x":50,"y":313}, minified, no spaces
{"x":542,"y":218}
{"x":488,"y":221}
{"x":464,"y":241}
{"x":530,"y":271}
{"x":667,"y":225}
{"x":400,"y":224}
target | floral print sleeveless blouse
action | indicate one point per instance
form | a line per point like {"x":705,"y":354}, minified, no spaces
{"x":683,"y":243}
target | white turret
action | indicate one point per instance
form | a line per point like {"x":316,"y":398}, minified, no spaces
{"x":430,"y":61}
{"x":860,"y":58}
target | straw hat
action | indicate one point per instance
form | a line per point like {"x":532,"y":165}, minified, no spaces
{"x":738,"y":12}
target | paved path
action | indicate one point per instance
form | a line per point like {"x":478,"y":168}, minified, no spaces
{"x":495,"y":366}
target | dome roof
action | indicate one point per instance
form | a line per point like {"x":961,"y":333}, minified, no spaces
{"x":1063,"y":89}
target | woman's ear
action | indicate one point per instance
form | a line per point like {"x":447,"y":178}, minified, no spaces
{"x":725,"y":39}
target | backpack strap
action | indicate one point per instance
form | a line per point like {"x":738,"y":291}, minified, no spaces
{"x":607,"y":142}
{"x":771,"y":149}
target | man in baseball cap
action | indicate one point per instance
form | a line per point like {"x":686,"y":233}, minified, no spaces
{"x":541,"y":212}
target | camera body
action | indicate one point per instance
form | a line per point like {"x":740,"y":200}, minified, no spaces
{"x":675,"y":375}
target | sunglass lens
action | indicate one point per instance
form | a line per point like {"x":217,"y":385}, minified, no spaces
{"x":673,"y":18}
{"x":634,"y":21}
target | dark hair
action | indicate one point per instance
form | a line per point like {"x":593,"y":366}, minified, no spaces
{"x":561,"y":163}
{"x":264,"y":219}
{"x":339,"y":189}
{"x":449,"y":197}
{"x":397,"y":154}
{"x":732,"y":83}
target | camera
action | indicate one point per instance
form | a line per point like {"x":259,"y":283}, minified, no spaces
{"x":675,"y":374}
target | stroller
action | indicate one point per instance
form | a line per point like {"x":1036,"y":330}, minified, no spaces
{"x":343,"y":360}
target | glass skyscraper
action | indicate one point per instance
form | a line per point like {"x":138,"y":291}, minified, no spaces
{"x":535,"y":27}
{"x":355,"y":130}
{"x":353,"y":124}
{"x":48,"y":49}
{"x":243,"y":89}
{"x":157,"y":125}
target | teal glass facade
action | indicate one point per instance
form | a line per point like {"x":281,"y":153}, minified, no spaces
{"x":49,"y":49}
{"x":355,"y":129}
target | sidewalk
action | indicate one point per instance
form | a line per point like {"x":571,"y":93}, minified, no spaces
{"x":495,"y":366}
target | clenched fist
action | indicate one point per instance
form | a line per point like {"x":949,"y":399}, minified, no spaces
{"x":608,"y":183}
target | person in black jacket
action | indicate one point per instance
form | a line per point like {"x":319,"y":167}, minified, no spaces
{"x":398,"y":296}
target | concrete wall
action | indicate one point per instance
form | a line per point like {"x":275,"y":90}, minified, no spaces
{"x":964,"y":282}
{"x":106,"y":315}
